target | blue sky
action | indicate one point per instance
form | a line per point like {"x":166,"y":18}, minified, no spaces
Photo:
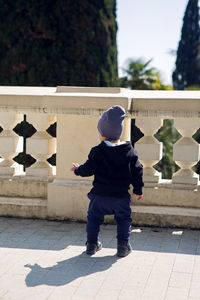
{"x":148,"y":29}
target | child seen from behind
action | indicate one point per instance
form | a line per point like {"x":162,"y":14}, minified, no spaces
{"x":115,"y":166}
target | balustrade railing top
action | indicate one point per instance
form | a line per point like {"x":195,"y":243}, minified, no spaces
{"x":93,"y":100}
{"x":62,"y":100}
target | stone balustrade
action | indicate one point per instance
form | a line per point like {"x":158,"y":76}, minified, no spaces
{"x":76,"y":111}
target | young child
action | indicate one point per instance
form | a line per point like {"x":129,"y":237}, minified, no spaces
{"x":115,"y":166}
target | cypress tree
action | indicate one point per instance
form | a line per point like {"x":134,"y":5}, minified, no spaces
{"x":187,"y":71}
{"x":62,"y":42}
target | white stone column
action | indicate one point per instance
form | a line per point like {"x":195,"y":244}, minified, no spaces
{"x":40,"y":145}
{"x":186,"y":151}
{"x":126,"y":134}
{"x":148,"y":147}
{"x":76,"y":135}
{"x":9,"y":141}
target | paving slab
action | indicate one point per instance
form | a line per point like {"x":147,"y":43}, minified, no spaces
{"x":46,"y":260}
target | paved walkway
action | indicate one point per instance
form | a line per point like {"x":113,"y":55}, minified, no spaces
{"x":42,"y":260}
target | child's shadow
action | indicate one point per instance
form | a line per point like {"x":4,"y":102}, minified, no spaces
{"x":68,"y":270}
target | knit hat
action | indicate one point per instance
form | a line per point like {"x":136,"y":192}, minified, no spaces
{"x":111,"y":122}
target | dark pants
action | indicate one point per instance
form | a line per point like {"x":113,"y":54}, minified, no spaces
{"x":99,"y":207}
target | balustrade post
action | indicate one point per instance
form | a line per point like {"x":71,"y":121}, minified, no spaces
{"x":148,"y":147}
{"x":40,"y":145}
{"x":9,"y":141}
{"x":126,"y":134}
{"x":76,"y":135}
{"x":186,"y":151}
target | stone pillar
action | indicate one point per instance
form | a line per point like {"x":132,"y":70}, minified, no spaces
{"x":186,"y":151}
{"x":76,"y":135}
{"x":9,"y":141}
{"x":148,"y":147}
{"x":126,"y":134}
{"x":40,"y":145}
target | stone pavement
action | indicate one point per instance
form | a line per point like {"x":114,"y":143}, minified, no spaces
{"x":42,"y":260}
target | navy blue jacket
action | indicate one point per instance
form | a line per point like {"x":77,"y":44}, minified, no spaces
{"x":114,"y":169}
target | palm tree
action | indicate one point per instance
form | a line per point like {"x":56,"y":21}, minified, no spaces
{"x":140,"y":76}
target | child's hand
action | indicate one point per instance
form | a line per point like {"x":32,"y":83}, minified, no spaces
{"x":75,"y":165}
{"x":138,"y":197}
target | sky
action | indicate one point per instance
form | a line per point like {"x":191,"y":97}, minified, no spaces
{"x":149,"y":29}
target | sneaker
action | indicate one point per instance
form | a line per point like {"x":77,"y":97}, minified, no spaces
{"x":92,"y":248}
{"x":123,"y":248}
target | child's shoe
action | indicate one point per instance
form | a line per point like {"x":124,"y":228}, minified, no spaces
{"x":92,"y":248}
{"x":123,"y":248}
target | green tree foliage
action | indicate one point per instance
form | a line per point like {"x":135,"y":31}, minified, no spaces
{"x":168,"y":135}
{"x":62,"y":42}
{"x":140,"y":76}
{"x":187,"y":71}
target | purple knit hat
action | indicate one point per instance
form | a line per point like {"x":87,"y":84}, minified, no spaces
{"x":111,"y":122}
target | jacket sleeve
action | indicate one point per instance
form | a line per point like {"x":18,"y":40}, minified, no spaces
{"x":137,"y":175}
{"x":88,"y":168}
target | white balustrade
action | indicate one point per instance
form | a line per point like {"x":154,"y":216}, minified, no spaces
{"x":186,"y":151}
{"x":9,"y":142}
{"x":148,"y":147}
{"x":40,"y":145}
{"x":77,"y":111}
